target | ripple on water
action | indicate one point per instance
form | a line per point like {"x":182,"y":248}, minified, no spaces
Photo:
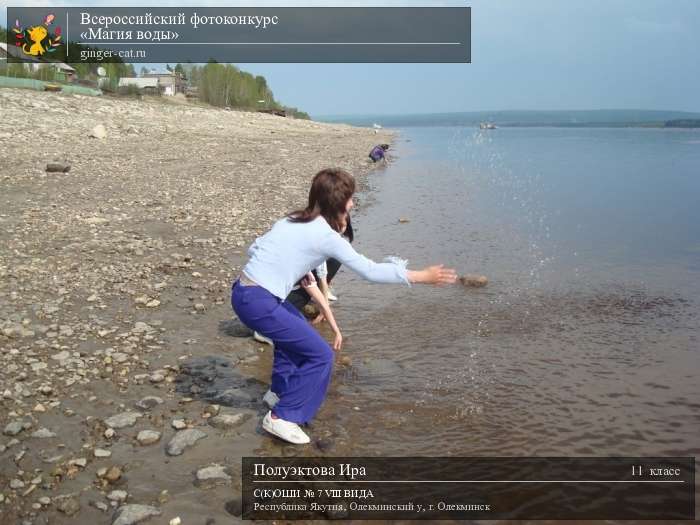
{"x":555,"y":371}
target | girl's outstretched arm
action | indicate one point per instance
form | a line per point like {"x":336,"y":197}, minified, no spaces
{"x":394,"y":271}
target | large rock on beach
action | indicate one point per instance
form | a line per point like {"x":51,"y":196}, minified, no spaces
{"x":211,"y":476}
{"x":43,"y":433}
{"x":184,"y":439}
{"x":126,"y":419}
{"x":140,"y":327}
{"x":229,"y":421}
{"x":68,"y":505}
{"x":235,"y":328}
{"x":15,"y":427}
{"x":148,"y":437}
{"x":61,"y":356}
{"x":99,"y":132}
{"x":215,"y":379}
{"x":113,"y":474}
{"x":118,"y":496}
{"x":133,"y":514}
{"x":148,"y":402}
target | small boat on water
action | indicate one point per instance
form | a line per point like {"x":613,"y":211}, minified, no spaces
{"x":487,"y":125}
{"x":376,"y":126}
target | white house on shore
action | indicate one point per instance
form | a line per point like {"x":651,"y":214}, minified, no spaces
{"x":168,"y":83}
{"x":145,"y":84}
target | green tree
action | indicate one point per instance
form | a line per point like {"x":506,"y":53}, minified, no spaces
{"x":225,"y":85}
{"x":194,"y":75}
{"x":16,"y":70}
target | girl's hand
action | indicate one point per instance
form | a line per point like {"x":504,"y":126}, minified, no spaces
{"x":338,"y":341}
{"x":437,"y":275}
{"x":440,"y":275}
{"x":308,"y":281}
{"x":317,"y":296}
{"x":319,"y":319}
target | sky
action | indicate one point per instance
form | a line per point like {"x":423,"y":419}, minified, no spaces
{"x":539,"y":54}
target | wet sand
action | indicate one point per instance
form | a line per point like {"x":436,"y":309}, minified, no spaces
{"x":114,"y":298}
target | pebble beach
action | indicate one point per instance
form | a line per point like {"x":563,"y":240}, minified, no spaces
{"x":128,"y":391}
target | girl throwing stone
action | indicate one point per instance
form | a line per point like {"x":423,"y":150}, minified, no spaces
{"x":296,"y":244}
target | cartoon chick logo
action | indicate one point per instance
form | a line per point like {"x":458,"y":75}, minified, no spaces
{"x":37,"y":40}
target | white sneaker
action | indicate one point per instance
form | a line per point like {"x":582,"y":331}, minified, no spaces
{"x":285,"y":430}
{"x":331,"y":296}
{"x":262,"y":339}
{"x":270,"y":399}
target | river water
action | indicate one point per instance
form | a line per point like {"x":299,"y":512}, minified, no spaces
{"x":585,"y":341}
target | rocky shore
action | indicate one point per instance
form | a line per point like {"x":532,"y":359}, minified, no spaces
{"x":126,"y":396}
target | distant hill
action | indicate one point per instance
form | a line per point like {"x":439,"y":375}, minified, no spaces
{"x":683,"y":123}
{"x":568,"y":118}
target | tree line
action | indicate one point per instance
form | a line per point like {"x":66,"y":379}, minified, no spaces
{"x":222,"y":85}
{"x":225,"y":85}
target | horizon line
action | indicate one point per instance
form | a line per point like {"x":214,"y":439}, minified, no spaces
{"x":501,"y":111}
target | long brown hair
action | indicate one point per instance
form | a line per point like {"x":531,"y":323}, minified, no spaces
{"x":330,"y":191}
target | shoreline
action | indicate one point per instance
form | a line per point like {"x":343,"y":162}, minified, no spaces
{"x":116,"y":275}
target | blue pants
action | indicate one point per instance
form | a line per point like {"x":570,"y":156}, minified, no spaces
{"x":303,"y":361}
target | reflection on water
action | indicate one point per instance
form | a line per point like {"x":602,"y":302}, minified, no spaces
{"x":585,"y":342}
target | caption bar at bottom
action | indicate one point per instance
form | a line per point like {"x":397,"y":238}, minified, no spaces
{"x":469,"y":488}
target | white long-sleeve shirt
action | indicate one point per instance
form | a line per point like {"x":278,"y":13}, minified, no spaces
{"x":290,"y":250}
